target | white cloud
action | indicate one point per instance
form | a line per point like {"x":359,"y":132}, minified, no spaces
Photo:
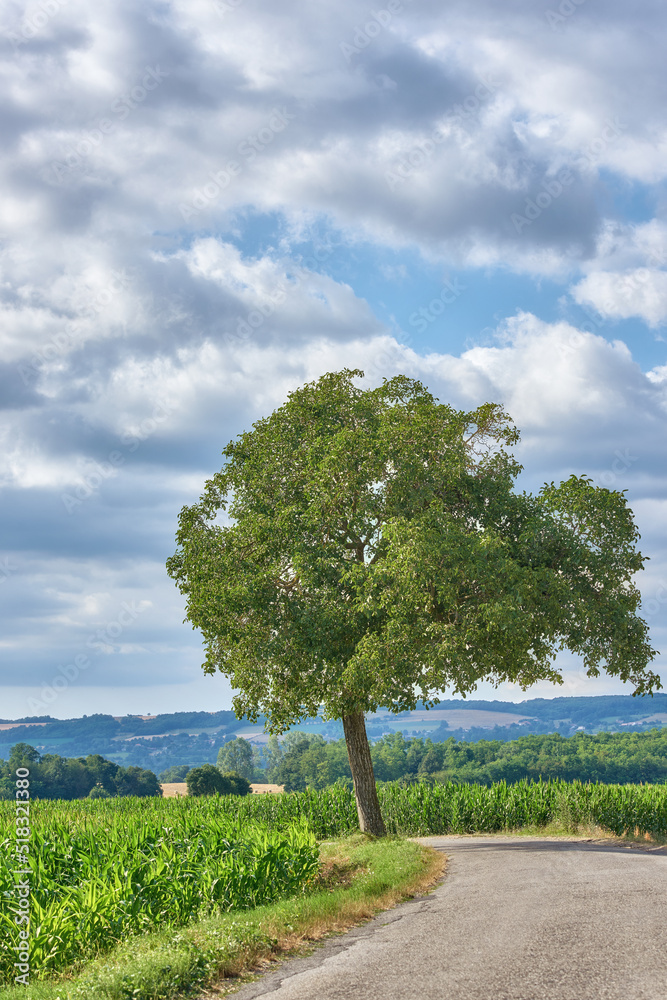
{"x":218,"y":80}
{"x":640,"y":292}
{"x":626,"y":277}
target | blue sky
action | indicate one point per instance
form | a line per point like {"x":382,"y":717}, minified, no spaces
{"x":206,"y":203}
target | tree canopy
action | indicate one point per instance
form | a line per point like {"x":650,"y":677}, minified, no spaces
{"x":367,"y":548}
{"x":56,"y":777}
{"x":615,"y":758}
{"x":236,"y":755}
{"x":209,"y":780}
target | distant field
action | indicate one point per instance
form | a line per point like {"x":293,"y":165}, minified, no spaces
{"x":13,"y":725}
{"x":456,"y":718}
{"x":254,"y":733}
{"x":175,"y":789}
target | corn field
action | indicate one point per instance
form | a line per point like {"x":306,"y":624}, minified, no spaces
{"x":101,"y":871}
{"x":105,"y":869}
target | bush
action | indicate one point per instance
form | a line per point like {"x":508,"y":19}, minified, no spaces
{"x":207,"y":780}
{"x":240,"y":785}
{"x":98,"y":791}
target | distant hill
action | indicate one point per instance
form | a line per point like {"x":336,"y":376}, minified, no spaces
{"x":161,"y":741}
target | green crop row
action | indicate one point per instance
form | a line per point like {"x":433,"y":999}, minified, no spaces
{"x":101,"y":874}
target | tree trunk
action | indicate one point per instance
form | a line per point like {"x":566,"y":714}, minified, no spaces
{"x":361,"y":765}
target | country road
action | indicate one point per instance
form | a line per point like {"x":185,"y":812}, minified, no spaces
{"x":516,"y":918}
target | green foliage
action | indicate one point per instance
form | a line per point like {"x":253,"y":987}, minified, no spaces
{"x":175,"y":773}
{"x":23,"y":755}
{"x":377,"y":554}
{"x":98,"y":792}
{"x":615,"y":758}
{"x":237,"y":756}
{"x":207,"y":780}
{"x":309,"y":762}
{"x":239,"y":784}
{"x":424,"y":810}
{"x":170,"y":964}
{"x":102,"y":871}
{"x":55,"y":777}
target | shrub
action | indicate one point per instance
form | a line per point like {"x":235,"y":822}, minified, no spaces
{"x":207,"y":780}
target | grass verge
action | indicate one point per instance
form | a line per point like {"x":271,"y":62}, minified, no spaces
{"x":590,"y":831}
{"x":567,"y":831}
{"x":359,"y":877}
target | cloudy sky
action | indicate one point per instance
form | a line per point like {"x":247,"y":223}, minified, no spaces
{"x":206,"y":203}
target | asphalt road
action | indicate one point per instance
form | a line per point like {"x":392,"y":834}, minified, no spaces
{"x":514,"y":919}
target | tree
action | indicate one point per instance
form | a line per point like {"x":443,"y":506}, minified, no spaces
{"x":375,"y":553}
{"x":98,"y":791}
{"x":23,"y":755}
{"x":239,"y":784}
{"x":237,"y":756}
{"x":273,"y":755}
{"x":176,"y":773}
{"x":207,"y":780}
{"x":134,"y":780}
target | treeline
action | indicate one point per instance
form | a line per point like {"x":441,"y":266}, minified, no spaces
{"x":307,"y":761}
{"x":55,"y":777}
{"x":101,"y":726}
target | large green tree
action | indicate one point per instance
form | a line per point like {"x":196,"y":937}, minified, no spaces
{"x":237,"y":756}
{"x":367,"y":548}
